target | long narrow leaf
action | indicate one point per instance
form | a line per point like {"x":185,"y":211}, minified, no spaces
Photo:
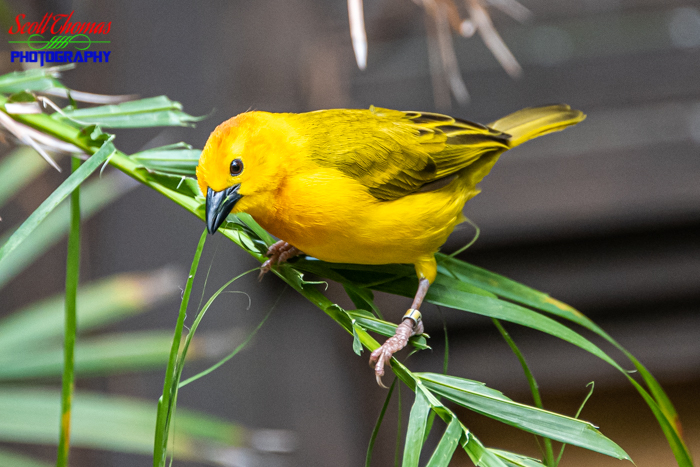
{"x":66,"y":188}
{"x":108,"y":422}
{"x":97,"y":194}
{"x":446,"y":447}
{"x":71,"y":322}
{"x":485,"y":401}
{"x":235,"y":351}
{"x":578,"y":412}
{"x":449,"y":293}
{"x":397,"y":448}
{"x":474,"y":281}
{"x":362,"y":298}
{"x":104,"y":355}
{"x":178,"y":159}
{"x":479,"y":454}
{"x":520,"y":293}
{"x":416,"y":430}
{"x":180,"y":358}
{"x":142,"y":113}
{"x":36,"y":79}
{"x":516,"y":460}
{"x":166,"y":402}
{"x":118,"y":297}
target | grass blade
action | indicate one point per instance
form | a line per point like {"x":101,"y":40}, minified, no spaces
{"x":36,"y":79}
{"x":363,"y":299}
{"x":449,"y":293}
{"x":519,"y":293}
{"x":141,"y":113}
{"x":104,"y":355}
{"x":375,"y":431}
{"x":190,"y":335}
{"x":479,"y":288}
{"x":578,"y":412}
{"x":177,"y":159}
{"x":481,"y":399}
{"x":445,"y":362}
{"x":480,"y":455}
{"x":446,"y":447}
{"x":180,"y":359}
{"x":70,"y":329}
{"x":416,"y":430}
{"x":516,"y":460}
{"x":97,"y":194}
{"x":165,"y":404}
{"x":236,"y":350}
{"x":40,"y":325}
{"x":112,"y":423}
{"x":66,"y":188}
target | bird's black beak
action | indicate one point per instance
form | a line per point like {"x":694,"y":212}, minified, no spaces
{"x":219,"y":205}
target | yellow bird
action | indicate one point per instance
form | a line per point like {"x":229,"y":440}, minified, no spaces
{"x":373,"y":186}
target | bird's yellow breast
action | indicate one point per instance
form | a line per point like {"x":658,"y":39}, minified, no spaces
{"x":333,"y":218}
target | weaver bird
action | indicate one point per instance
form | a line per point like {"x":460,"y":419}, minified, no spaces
{"x":373,"y":186}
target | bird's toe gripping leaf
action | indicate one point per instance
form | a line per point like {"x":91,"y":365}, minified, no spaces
{"x":411,"y":325}
{"x":278,"y":253}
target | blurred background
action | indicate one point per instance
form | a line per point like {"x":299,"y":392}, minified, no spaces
{"x":604,"y":216}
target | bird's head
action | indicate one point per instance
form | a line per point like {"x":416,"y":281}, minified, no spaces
{"x":242,"y":164}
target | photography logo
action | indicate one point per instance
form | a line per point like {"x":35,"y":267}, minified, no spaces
{"x":48,"y":38}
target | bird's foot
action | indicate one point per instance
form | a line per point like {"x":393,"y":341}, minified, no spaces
{"x":278,"y":253}
{"x":411,"y":325}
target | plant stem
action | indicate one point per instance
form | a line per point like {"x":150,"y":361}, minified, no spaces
{"x":72,"y":275}
{"x":163,"y":418}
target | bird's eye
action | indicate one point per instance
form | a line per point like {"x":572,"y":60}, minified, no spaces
{"x":236,"y":167}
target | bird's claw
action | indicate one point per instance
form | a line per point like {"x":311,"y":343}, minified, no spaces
{"x":264,"y":269}
{"x":380,"y":383}
{"x":398,"y":341}
{"x":378,"y":359}
{"x":277,"y":253}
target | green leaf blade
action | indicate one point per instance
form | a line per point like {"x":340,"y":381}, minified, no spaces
{"x":446,"y":447}
{"x":486,"y":401}
{"x":37,"y":79}
{"x":102,"y":355}
{"x":176,"y":159}
{"x":166,"y":406}
{"x":416,"y":430}
{"x":109,"y":422}
{"x":141,"y":113}
{"x":65,"y":189}
{"x":516,"y":460}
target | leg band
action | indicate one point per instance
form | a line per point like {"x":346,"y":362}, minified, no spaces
{"x":413,"y":315}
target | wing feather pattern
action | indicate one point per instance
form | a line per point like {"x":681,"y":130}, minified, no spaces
{"x":395,"y":153}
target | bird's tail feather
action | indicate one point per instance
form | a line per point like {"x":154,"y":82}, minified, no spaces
{"x":532,"y":122}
